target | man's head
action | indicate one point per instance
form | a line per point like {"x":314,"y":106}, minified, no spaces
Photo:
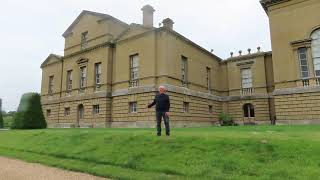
{"x":162,"y":89}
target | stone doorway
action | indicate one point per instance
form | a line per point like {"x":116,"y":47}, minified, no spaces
{"x":80,"y":115}
{"x":248,"y":114}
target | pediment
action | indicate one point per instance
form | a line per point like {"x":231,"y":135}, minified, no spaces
{"x":51,"y":59}
{"x":100,"y":17}
{"x":82,"y":61}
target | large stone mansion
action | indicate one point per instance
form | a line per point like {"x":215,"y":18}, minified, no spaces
{"x":110,"y":71}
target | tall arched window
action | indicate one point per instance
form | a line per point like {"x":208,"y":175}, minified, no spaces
{"x":248,"y":110}
{"x":315,"y":47}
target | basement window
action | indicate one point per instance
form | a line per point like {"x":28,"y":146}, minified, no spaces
{"x":48,"y":112}
{"x":133,"y":107}
{"x":185,"y":107}
{"x":96,"y":109}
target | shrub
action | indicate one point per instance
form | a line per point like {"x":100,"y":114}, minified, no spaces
{"x":226,"y":120}
{"x":29,"y":114}
{"x":1,"y":120}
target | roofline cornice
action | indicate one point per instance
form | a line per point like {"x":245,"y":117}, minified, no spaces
{"x":190,"y":42}
{"x":267,"y":3}
{"x":247,"y":57}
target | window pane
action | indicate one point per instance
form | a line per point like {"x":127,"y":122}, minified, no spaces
{"x":245,"y":111}
{"x":304,"y":68}
{"x":315,"y":44}
{"x":305,"y":74}
{"x":251,"y":110}
{"x":303,"y":56}
{"x":304,"y":63}
{"x":246,"y":78}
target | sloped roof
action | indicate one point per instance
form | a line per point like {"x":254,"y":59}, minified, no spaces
{"x":56,"y":58}
{"x":86,"y":12}
{"x":133,"y":26}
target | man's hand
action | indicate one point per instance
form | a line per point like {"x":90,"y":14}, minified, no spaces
{"x":167,"y":114}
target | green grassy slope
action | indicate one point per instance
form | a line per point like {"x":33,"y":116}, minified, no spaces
{"x":262,"y":152}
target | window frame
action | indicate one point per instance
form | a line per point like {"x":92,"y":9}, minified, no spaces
{"x":248,"y":110}
{"x":134,"y":70}
{"x":315,"y":44}
{"x":81,"y":112}
{"x":83,"y":77}
{"x":133,"y":107}
{"x":50,"y":84}
{"x":97,"y":73}
{"x":184,"y":70}
{"x":249,"y":79}
{"x":210,"y":109}
{"x":185,"y":107}
{"x":67,"y":111}
{"x":306,"y":61}
{"x":69,"y":80}
{"x":48,"y":113}
{"x":96,"y":109}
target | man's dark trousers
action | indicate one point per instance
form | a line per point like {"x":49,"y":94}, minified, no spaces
{"x":163,"y":115}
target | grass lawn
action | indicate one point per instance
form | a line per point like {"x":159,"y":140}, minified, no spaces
{"x":259,"y":152}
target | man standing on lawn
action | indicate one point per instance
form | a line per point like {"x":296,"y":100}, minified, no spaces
{"x":162,"y":103}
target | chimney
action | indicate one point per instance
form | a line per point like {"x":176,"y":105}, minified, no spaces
{"x":148,"y":15}
{"x":168,"y":23}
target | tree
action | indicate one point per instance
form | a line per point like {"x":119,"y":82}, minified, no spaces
{"x":1,"y":121}
{"x":29,"y":114}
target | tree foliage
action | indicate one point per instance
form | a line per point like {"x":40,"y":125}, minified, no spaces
{"x":29,"y":114}
{"x":1,"y":121}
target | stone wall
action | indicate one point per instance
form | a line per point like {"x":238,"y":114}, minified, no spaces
{"x":58,"y":118}
{"x":261,"y":108}
{"x":302,"y":108}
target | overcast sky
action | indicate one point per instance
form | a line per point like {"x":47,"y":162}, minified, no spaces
{"x":31,"y":30}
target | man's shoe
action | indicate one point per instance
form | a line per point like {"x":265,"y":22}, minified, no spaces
{"x":158,"y":134}
{"x":167,"y":134}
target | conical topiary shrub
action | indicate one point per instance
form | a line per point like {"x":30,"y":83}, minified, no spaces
{"x":1,"y":120}
{"x":29,"y":114}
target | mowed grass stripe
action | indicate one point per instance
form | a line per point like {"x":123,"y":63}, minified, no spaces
{"x":102,"y":170}
{"x":260,"y":152}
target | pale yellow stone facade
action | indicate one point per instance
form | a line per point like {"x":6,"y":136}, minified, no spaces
{"x":292,"y":23}
{"x":110,"y":71}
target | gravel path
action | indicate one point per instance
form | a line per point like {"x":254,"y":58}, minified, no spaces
{"x":11,"y":169}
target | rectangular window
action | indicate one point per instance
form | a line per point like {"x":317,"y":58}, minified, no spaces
{"x":208,"y":78}
{"x":133,"y":107}
{"x":96,"y":109}
{"x":246,"y":75}
{"x":184,"y":70}
{"x":84,"y":40}
{"x":48,"y":112}
{"x":97,"y":70}
{"x":69,"y":80}
{"x":134,"y":69}
{"x":210,"y":109}
{"x":66,"y":111}
{"x":315,"y":48}
{"x":50,"y":88}
{"x":185,"y":107}
{"x":302,"y":54}
{"x":83,"y":77}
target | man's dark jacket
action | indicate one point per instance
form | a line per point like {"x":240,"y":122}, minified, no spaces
{"x":162,"y":103}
